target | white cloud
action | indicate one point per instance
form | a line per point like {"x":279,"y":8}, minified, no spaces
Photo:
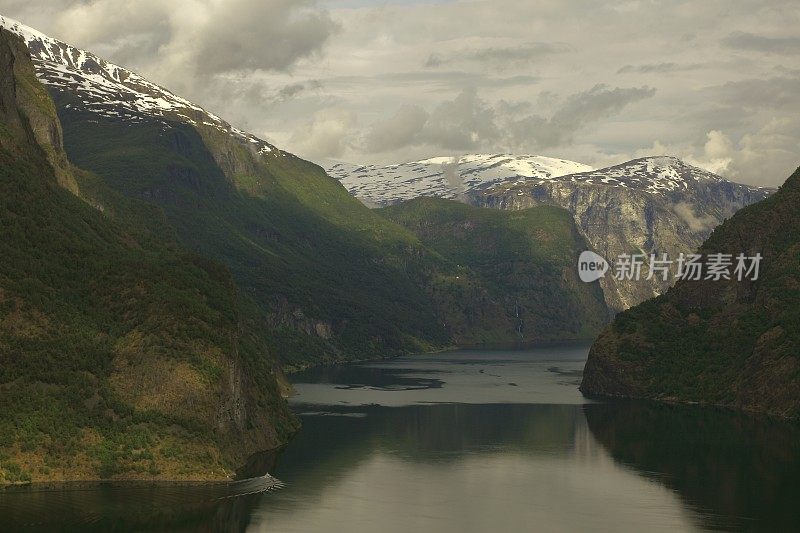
{"x":695,"y":223}
{"x":715,"y":81}
{"x":327,"y":135}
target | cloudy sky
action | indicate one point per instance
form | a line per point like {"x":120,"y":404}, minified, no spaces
{"x":716,"y":82}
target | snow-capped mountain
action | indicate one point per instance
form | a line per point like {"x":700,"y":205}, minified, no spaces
{"x":652,"y":204}
{"x":446,"y":177}
{"x":651,"y":174}
{"x":454,"y":177}
{"x":112,"y":91}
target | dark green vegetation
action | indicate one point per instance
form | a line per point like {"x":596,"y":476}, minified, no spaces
{"x":121,"y":354}
{"x":333,"y":279}
{"x":511,"y":274}
{"x":719,"y":342}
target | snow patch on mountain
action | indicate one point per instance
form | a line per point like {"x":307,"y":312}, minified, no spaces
{"x":446,"y":177}
{"x":386,"y":185}
{"x":651,"y":174}
{"x":112,"y":91}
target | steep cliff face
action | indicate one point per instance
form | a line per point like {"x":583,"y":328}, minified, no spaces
{"x":725,"y":342}
{"x":27,"y":97}
{"x":121,"y":355}
{"x":647,"y":206}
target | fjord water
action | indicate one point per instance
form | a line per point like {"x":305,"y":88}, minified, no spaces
{"x":473,"y":441}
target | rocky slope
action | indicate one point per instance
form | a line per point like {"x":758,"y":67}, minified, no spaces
{"x":653,"y":205}
{"x":121,"y":354}
{"x":726,"y":342}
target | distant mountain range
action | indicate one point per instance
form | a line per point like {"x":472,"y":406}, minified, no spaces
{"x":445,"y":177}
{"x":652,"y":205}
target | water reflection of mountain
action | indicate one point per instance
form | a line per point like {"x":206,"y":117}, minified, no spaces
{"x":428,"y":432}
{"x":742,"y":471}
{"x":334,"y":444}
{"x":109,"y":508}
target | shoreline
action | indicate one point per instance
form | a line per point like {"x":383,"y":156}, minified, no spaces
{"x":92,"y":484}
{"x":777,"y":417}
{"x":453,"y":348}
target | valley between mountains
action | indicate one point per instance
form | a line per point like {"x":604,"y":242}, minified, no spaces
{"x":307,"y":274}
{"x":164,"y":270}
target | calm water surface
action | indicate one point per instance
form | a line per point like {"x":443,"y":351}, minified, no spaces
{"x":472,"y":441}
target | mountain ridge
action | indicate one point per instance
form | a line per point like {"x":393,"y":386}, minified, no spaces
{"x":650,"y":206}
{"x":456,"y":176}
{"x":112,"y":90}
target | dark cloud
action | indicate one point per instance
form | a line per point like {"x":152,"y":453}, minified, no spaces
{"x":577,"y":111}
{"x":660,"y":68}
{"x":261,"y":34}
{"x":498,"y":57}
{"x":259,"y":94}
{"x":288,"y":91}
{"x":465,"y":123}
{"x":468,"y":122}
{"x":293,"y":90}
{"x":771,"y":93}
{"x":759,"y":43}
{"x":400,"y":130}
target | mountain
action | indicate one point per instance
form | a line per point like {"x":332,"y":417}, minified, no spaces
{"x":652,"y":205}
{"x":327,"y":278}
{"x":514,"y":270}
{"x":727,"y":342}
{"x":332,"y":279}
{"x":445,"y":177}
{"x":123,"y":354}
